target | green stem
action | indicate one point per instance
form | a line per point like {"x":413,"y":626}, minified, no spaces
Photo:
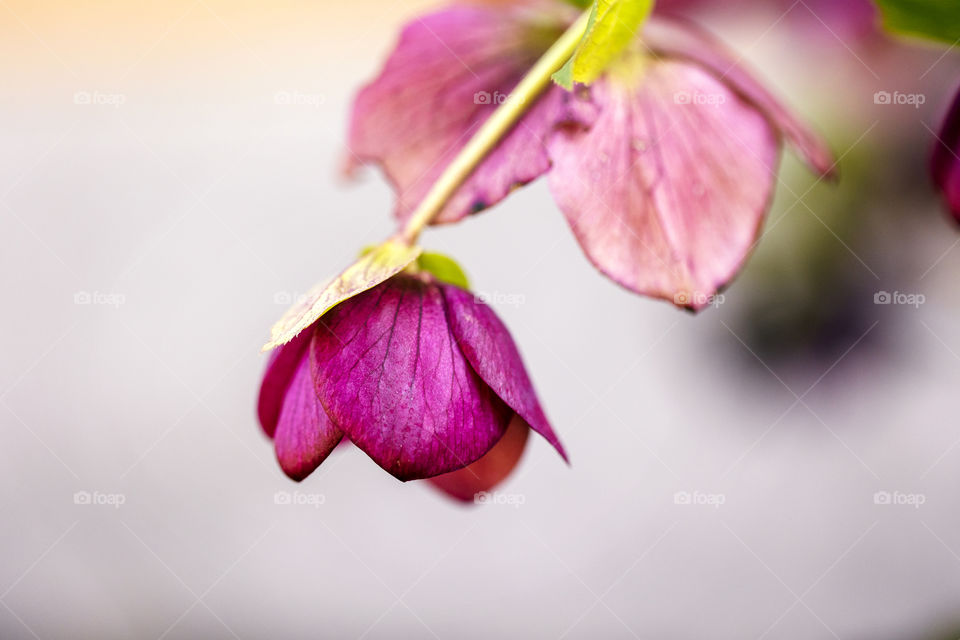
{"x":506,"y":116}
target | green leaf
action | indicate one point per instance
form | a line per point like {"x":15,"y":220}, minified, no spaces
{"x":931,"y":19}
{"x":613,"y":26}
{"x":443,"y":268}
{"x":374,"y":266}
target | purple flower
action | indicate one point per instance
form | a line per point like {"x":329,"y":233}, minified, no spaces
{"x":419,"y":374}
{"x":664,"y":168}
{"x":946,"y":159}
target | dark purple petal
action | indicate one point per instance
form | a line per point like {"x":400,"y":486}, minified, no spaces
{"x":446,"y":76}
{"x":276,"y":379}
{"x":667,"y":191}
{"x":390,"y":375}
{"x":946,"y":159}
{"x":674,"y":39}
{"x":490,"y":350}
{"x":305,"y":436}
{"x":490,"y":470}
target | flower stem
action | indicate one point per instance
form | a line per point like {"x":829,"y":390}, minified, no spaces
{"x":521,"y":99}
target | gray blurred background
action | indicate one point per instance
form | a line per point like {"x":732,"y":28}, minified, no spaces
{"x":169,"y":182}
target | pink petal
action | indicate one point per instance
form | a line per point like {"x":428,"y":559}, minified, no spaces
{"x":305,"y":436}
{"x":490,"y":470}
{"x":675,"y":39}
{"x":390,"y":375}
{"x":487,"y":345}
{"x":667,"y":191}
{"x":443,"y":80}
{"x":276,"y":379}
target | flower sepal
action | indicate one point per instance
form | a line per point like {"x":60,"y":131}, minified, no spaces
{"x":374,"y":266}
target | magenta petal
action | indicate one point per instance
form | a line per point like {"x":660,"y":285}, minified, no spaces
{"x":305,"y":436}
{"x":390,"y":375}
{"x":671,"y":38}
{"x":276,"y":379}
{"x":667,"y":191}
{"x":487,"y":344}
{"x":946,"y":159}
{"x":444,"y":79}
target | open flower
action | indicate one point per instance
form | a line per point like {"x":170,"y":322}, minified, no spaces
{"x":664,"y":167}
{"x":418,"y":373}
{"x":946,"y":159}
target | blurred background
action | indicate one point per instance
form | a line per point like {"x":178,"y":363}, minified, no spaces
{"x":786,"y":465}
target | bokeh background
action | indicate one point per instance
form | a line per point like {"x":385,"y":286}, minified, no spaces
{"x":169,"y":182}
